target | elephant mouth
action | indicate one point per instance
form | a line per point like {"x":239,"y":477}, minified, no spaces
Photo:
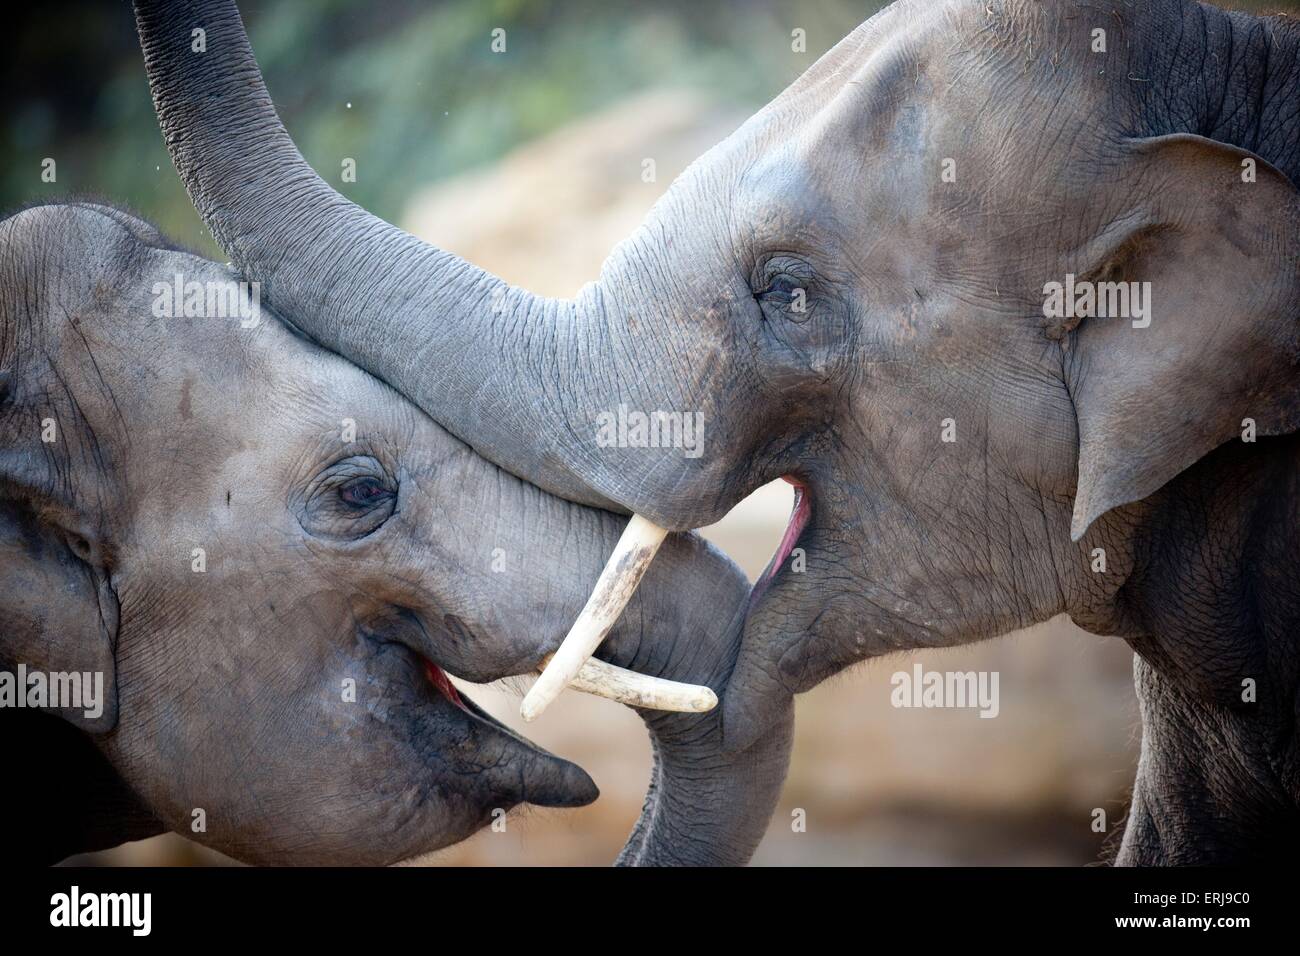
{"x":596,"y":677}
{"x":442,"y":684}
{"x":443,"y":687}
{"x":800,"y":516}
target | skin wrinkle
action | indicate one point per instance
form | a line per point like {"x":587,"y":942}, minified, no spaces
{"x":1224,"y":87}
{"x":1259,"y":103}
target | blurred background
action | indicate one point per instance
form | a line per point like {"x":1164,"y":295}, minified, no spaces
{"x":529,"y":163}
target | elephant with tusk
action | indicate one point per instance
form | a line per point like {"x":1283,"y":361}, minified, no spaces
{"x":862,"y":290}
{"x":264,"y":562}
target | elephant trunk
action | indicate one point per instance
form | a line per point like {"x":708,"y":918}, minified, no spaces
{"x":707,"y":807}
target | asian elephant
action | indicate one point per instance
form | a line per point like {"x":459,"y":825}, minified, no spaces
{"x":271,"y":559}
{"x":863,"y":290}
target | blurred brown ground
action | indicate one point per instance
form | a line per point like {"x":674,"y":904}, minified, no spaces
{"x":879,"y":785}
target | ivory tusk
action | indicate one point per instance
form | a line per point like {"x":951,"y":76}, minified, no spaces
{"x":641,"y":690}
{"x":614,"y":588}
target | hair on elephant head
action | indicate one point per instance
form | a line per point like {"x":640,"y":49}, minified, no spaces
{"x":994,"y":297}
{"x":257,"y":564}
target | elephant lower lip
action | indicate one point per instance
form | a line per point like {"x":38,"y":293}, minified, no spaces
{"x":526,"y":773}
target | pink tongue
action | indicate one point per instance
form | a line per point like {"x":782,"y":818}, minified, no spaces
{"x":439,"y":680}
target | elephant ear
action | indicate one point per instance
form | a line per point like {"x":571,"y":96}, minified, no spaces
{"x":58,"y":611}
{"x":1215,"y":230}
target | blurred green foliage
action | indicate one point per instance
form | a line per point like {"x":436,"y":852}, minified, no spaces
{"x":428,"y":97}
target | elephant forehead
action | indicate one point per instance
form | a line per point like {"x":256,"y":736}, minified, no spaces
{"x":214,"y":372}
{"x":847,"y":141}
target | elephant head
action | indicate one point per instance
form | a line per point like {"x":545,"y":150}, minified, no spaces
{"x":854,"y":291}
{"x":271,"y":560}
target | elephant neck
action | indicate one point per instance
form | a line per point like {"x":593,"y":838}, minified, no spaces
{"x":1231,"y":78}
{"x":1196,"y":757}
{"x":1213,"y":598}
{"x":1214,"y":614}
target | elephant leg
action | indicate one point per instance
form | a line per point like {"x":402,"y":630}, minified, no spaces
{"x":1141,"y":845}
{"x":1207,"y":791}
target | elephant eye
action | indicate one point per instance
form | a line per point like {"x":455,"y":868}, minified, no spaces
{"x":364,"y":492}
{"x":350,"y":499}
{"x":783,"y":281}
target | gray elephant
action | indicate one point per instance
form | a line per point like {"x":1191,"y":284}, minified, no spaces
{"x":271,"y":559}
{"x":885,"y":288}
